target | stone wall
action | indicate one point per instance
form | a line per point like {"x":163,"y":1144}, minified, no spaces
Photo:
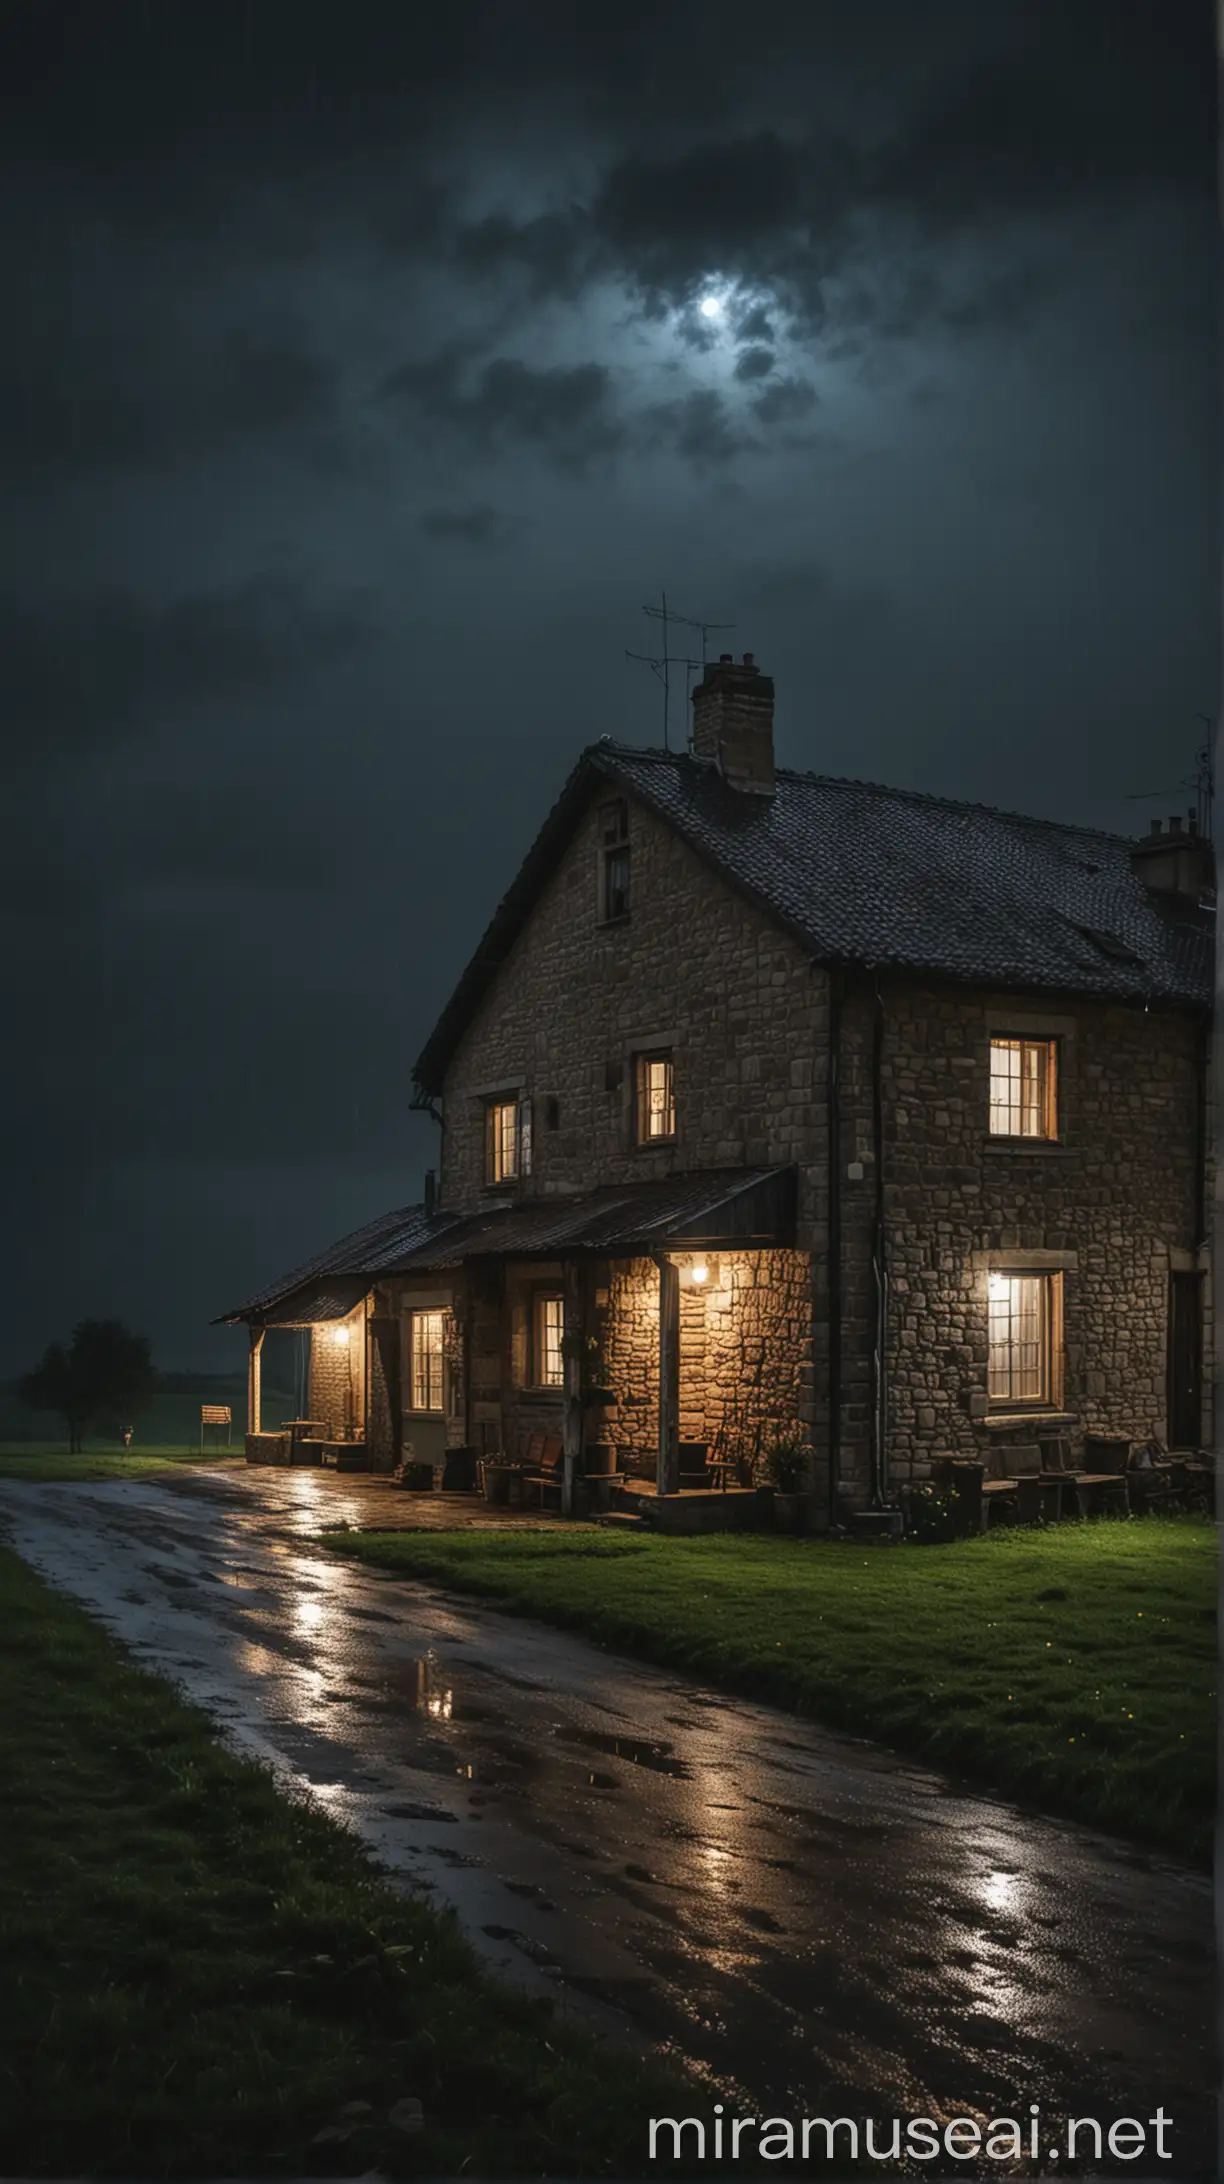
{"x":1112,"y":1205}
{"x":693,"y":967}
{"x":338,"y":1373}
{"x":745,"y":1351}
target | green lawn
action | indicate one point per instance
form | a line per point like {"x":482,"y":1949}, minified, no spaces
{"x":168,"y":1428}
{"x":47,"y":1460}
{"x":201,"y":1975}
{"x":1075,"y":1668}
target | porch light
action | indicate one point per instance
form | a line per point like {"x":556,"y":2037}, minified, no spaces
{"x":340,"y":1336}
{"x":701,"y":1271}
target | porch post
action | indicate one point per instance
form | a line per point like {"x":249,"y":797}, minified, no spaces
{"x":254,"y":1390}
{"x":668,"y":1477}
{"x":571,"y":1405}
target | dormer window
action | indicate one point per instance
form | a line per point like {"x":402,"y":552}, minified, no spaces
{"x":1023,"y":1088}
{"x":613,"y":861}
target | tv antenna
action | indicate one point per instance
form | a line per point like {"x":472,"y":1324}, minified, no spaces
{"x":1202,"y":781}
{"x":662,"y":663}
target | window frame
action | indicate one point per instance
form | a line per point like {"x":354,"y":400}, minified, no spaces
{"x":1048,"y":1089}
{"x":497,"y":1175}
{"x":643,"y":1061}
{"x":614,"y":849}
{"x":1048,"y":1283}
{"x":427,"y":1409}
{"x":538,"y":1344}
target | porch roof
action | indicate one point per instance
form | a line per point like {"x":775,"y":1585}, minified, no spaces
{"x":724,"y":1206}
{"x":712,"y":1207}
{"x":330,"y":1284}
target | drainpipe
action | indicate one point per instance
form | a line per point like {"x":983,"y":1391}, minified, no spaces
{"x":878,"y":1463}
{"x":1202,"y":1220}
{"x":834,"y":1274}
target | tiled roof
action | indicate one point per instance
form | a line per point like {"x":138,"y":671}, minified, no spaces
{"x":887,"y":878}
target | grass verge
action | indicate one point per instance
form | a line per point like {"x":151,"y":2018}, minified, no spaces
{"x":202,"y":1974}
{"x":1074,"y":1668}
{"x":39,"y":1460}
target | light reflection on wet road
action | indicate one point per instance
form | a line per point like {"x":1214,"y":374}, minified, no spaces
{"x":801,"y":1915}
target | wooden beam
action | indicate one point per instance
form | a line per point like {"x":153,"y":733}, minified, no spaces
{"x":254,"y":1380}
{"x":668,"y":1476}
{"x":571,"y":1368}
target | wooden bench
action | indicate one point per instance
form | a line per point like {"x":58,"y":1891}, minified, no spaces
{"x":1094,"y":1490}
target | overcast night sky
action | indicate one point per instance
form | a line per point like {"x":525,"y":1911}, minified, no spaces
{"x":358,"y":392}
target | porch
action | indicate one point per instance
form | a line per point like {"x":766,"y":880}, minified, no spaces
{"x":650,"y":1338}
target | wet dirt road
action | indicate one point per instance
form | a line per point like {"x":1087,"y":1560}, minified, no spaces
{"x":801,"y":1915}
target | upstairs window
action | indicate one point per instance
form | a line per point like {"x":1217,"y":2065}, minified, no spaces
{"x":548,"y":1370}
{"x":655,"y":1098}
{"x":507,"y":1140}
{"x":1023,"y":1088}
{"x":614,"y":861}
{"x":425,"y":1360}
{"x":1024,"y":1313}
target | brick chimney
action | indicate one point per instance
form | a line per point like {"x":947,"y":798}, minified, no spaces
{"x":733,"y":707}
{"x":1181,"y":862}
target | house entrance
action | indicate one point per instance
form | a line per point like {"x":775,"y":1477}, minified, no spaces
{"x":1185,"y":1360}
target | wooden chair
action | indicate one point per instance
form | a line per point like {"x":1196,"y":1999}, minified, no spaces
{"x":1000,"y":1496}
{"x":1038,"y":1492}
{"x":548,"y":1476}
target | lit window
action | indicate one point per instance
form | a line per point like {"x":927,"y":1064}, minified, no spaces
{"x":1023,"y":1355}
{"x":1023,"y":1088}
{"x":502,"y":1141}
{"x":656,"y":1098}
{"x":549,"y":1368}
{"x":614,"y":860}
{"x":425,"y":1357}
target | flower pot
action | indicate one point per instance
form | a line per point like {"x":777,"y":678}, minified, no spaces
{"x":790,"y":1511}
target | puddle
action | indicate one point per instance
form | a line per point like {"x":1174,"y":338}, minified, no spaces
{"x":639,"y":1751}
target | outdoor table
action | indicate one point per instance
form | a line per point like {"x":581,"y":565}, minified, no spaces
{"x":503,"y":1483}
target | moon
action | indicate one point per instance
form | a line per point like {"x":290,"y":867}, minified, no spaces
{"x":710,"y":307}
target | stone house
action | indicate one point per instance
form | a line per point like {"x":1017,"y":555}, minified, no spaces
{"x":777,"y":1105}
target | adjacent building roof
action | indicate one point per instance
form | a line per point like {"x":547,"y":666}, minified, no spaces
{"x":712,"y":1208}
{"x":885,"y":878}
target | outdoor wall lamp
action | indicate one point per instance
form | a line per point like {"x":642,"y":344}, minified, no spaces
{"x":701,"y":1272}
{"x":340,"y":1336}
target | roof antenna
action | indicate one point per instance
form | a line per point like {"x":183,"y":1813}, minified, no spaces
{"x":1202,"y":781}
{"x":662,"y":663}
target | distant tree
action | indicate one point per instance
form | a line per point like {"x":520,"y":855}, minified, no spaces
{"x":104,"y":1374}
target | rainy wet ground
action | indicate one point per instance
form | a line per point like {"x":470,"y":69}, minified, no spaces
{"x":799,"y":1914}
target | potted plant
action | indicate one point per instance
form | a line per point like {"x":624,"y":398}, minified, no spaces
{"x":786,"y":1465}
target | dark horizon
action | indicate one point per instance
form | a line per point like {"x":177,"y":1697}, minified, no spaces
{"x":369,"y":376}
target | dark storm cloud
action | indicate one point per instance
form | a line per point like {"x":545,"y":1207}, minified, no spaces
{"x":754,"y":364}
{"x":121,"y":382}
{"x":87,"y":673}
{"x":785,"y":402}
{"x":565,"y":411}
{"x":699,"y":428}
{"x":478,"y":525}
